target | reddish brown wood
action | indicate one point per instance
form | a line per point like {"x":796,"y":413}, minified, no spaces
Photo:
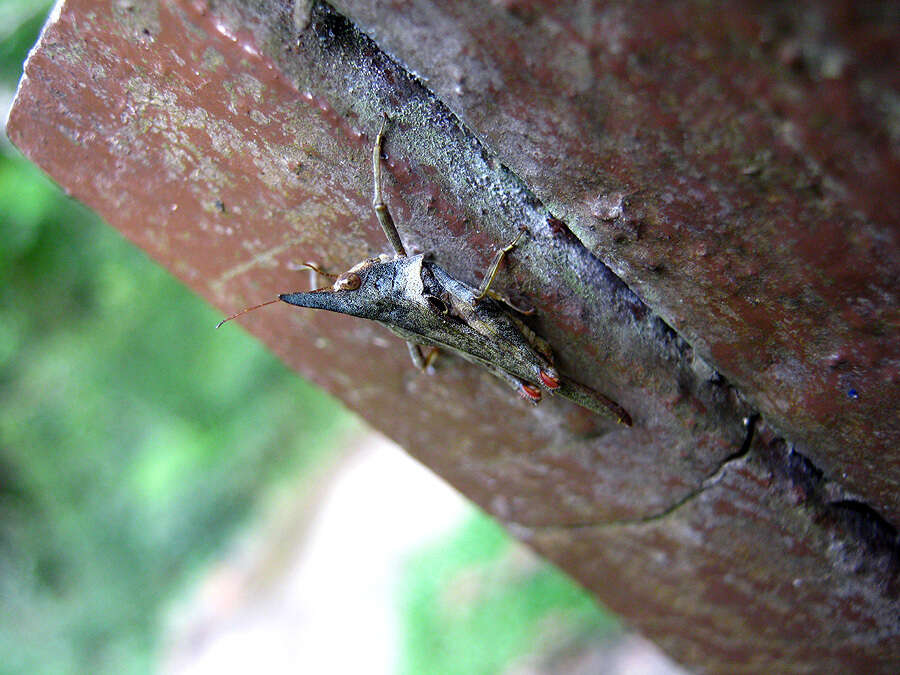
{"x":735,"y":164}
{"x":231,"y":140}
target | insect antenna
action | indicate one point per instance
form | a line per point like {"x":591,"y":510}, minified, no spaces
{"x":248,"y":309}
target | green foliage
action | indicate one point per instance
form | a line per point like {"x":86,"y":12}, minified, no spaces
{"x":474,"y":604}
{"x":134,"y":437}
{"x":20,"y":22}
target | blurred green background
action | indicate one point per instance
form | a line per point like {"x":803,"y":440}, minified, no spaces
{"x":135,"y":441}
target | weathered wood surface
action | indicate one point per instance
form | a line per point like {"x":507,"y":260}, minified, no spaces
{"x":731,"y":169}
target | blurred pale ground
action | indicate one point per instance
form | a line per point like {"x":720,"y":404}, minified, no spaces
{"x":142,"y":454}
{"x":331,"y":593}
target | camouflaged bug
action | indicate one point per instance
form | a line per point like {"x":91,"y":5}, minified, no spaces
{"x":419,"y":301}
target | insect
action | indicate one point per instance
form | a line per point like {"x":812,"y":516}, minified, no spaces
{"x":419,"y":301}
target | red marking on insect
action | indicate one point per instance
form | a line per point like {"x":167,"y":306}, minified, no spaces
{"x":550,"y":379}
{"x":530,"y":392}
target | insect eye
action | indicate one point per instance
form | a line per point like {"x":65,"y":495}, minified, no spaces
{"x":436,"y":304}
{"x":348,"y":281}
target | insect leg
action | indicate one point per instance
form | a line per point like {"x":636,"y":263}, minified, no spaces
{"x":318,"y":270}
{"x":314,"y":269}
{"x":416,"y":355}
{"x":494,"y":266}
{"x":431,"y":357}
{"x":423,"y":363}
{"x":500,"y":297}
{"x":381,"y":209}
{"x":539,"y":344}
